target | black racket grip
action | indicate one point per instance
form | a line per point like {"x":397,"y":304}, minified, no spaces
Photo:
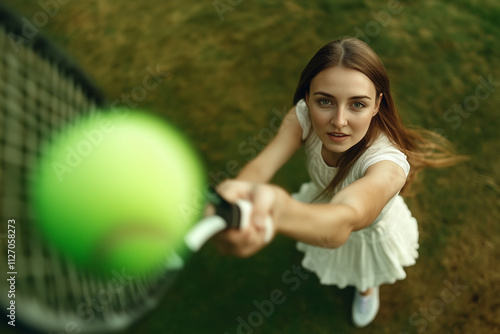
{"x":237,"y":215}
{"x":230,"y":212}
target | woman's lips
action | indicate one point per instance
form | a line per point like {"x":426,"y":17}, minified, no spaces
{"x":337,"y":136}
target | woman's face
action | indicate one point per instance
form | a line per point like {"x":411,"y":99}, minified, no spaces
{"x":341,"y":102}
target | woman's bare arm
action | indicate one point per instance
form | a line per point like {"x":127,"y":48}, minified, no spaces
{"x":326,"y":225}
{"x":286,"y":142}
{"x":353,"y":208}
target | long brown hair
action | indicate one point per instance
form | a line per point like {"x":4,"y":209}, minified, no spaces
{"x":423,"y":148}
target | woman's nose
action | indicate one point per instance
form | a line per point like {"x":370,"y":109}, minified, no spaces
{"x":338,"y":119}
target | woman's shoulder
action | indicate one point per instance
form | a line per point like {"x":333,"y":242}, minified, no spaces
{"x":302,"y":112}
{"x":381,"y":142}
{"x":382,"y":149}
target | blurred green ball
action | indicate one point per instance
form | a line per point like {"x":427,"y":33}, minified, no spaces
{"x":118,"y":190}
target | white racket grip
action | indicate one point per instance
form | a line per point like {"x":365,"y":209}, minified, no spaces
{"x":246,"y":211}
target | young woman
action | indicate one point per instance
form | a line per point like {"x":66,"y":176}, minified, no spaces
{"x":351,"y":223}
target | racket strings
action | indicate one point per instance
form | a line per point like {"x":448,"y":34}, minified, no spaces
{"x":40,"y":93}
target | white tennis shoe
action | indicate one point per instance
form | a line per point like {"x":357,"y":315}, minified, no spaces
{"x":365,"y":308}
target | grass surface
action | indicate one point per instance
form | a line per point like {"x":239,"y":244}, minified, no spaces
{"x":228,"y":82}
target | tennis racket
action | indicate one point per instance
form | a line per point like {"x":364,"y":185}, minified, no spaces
{"x":42,"y":90}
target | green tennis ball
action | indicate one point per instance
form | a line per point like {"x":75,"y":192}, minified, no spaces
{"x":118,"y":190}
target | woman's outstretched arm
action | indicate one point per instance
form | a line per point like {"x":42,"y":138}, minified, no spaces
{"x":327,"y":225}
{"x":286,"y":142}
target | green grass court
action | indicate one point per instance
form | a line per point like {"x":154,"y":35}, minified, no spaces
{"x":228,"y":76}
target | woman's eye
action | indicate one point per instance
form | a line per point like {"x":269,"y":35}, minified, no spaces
{"x":324,"y":102}
{"x":358,"y":105}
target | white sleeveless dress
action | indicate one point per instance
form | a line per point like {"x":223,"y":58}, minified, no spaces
{"x":376,"y":254}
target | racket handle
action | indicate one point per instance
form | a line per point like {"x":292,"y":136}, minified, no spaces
{"x":227,"y":215}
{"x":237,"y":215}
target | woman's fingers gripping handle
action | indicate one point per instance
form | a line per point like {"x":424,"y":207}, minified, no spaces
{"x":264,"y":222}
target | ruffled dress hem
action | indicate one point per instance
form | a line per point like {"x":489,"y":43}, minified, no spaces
{"x":371,"y":257}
